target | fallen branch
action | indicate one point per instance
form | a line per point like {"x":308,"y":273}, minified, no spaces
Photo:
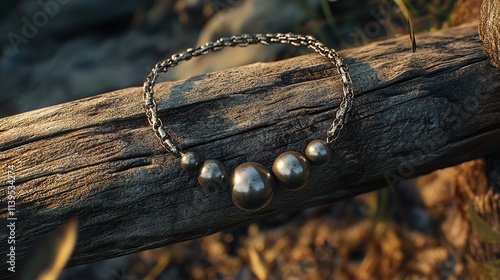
{"x":98,"y":159}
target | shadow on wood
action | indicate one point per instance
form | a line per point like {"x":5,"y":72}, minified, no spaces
{"x":98,"y":159}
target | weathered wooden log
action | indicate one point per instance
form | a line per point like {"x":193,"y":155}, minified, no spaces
{"x":489,"y":30}
{"x":98,"y":159}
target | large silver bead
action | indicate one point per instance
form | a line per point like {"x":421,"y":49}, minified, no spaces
{"x":251,"y":186}
{"x":318,"y":152}
{"x":292,"y":170}
{"x":190,"y":161}
{"x":213,"y":175}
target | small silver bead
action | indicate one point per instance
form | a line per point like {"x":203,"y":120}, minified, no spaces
{"x":319,"y":152}
{"x":251,"y":186}
{"x":292,"y":170}
{"x":213,"y":175}
{"x":190,"y":161}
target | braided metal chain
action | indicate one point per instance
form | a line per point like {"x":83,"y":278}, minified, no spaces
{"x":244,"y":40}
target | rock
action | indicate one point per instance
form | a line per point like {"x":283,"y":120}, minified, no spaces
{"x":84,"y":48}
{"x":258,"y":16}
{"x":66,"y":50}
{"x":79,"y":68}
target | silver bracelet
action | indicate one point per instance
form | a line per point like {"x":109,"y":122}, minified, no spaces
{"x":251,"y":184}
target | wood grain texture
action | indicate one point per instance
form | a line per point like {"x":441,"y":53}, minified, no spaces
{"x":489,"y":30}
{"x":98,"y":159}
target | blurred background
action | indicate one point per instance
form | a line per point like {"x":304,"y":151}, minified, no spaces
{"x":54,"y":51}
{"x":108,"y":45}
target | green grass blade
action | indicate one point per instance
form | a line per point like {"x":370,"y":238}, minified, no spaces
{"x":406,"y":12}
{"x":484,"y":232}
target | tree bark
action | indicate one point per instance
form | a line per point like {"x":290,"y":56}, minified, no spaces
{"x":98,"y":159}
{"x":489,"y":30}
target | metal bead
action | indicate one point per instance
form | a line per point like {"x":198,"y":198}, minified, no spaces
{"x":190,"y":161}
{"x":318,"y":152}
{"x":292,"y":170}
{"x":251,"y":186}
{"x":213,"y":175}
